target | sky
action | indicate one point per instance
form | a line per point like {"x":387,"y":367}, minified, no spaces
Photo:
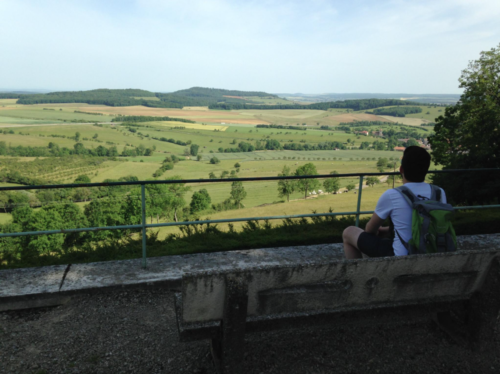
{"x":307,"y":46}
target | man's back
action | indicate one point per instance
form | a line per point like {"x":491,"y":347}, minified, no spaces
{"x":392,"y":204}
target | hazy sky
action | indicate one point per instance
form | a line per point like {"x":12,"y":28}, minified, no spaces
{"x":309,"y":46}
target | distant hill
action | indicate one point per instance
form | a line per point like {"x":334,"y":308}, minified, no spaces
{"x":421,"y":98}
{"x":195,"y":96}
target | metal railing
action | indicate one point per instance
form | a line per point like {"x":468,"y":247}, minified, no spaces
{"x":144,"y":226}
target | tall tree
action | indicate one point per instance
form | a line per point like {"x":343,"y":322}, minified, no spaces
{"x":194,"y":149}
{"x":468,"y":135}
{"x":306,"y":185}
{"x":200,"y":200}
{"x":331,"y":184}
{"x":177,"y":192}
{"x":238,"y":193}
{"x":371,"y":181}
{"x":286,"y":186}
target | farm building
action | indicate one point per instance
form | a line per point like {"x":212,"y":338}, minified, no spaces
{"x":401,"y":149}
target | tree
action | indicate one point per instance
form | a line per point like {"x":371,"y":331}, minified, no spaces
{"x":211,"y":175}
{"x":177,"y":192}
{"x":158,"y":200}
{"x":238,"y":193}
{"x":237,"y":165}
{"x":224,"y":174}
{"x":305,"y":185}
{"x":77,"y":136}
{"x":200,"y":201}
{"x":382,"y":162}
{"x":468,"y":135}
{"x":286,"y":186}
{"x":104,"y":212}
{"x":194,"y":149}
{"x":199,"y":157}
{"x":82,"y":179}
{"x":82,"y":194}
{"x":350,"y":187}
{"x":372,"y":181}
{"x":214,"y":160}
{"x":411,"y":142}
{"x":331,"y":184}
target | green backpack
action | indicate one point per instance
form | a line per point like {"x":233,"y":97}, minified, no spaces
{"x":431,"y":226}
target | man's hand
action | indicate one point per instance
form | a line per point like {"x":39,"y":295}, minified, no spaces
{"x":383,"y":231}
{"x":373,"y":224}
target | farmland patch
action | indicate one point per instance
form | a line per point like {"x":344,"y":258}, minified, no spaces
{"x":406,"y":120}
{"x":354,"y":117}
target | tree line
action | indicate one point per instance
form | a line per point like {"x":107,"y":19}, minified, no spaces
{"x":362,"y":104}
{"x":148,"y":119}
{"x":397,"y":112}
{"x":196,"y":96}
{"x":282,"y":127}
{"x":53,"y":150}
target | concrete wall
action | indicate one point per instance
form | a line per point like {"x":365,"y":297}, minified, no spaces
{"x":276,"y":289}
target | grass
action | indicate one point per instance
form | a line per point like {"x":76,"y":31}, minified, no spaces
{"x":193,"y":126}
{"x":37,"y":112}
{"x":8,"y":101}
{"x":429,"y":113}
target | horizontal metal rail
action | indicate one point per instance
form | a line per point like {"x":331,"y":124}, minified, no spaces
{"x":144,"y":226}
{"x":249,"y":179}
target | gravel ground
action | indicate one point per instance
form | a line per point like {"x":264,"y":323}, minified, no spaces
{"x":135,"y":332}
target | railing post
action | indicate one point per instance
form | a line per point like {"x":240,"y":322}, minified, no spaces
{"x":143,"y":203}
{"x":359,"y":199}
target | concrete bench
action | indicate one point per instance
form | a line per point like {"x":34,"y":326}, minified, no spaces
{"x":461,"y":291}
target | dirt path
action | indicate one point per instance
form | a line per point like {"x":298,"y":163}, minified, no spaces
{"x":135,"y":332}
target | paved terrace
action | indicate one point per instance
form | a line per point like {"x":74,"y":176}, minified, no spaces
{"x":117,"y":317}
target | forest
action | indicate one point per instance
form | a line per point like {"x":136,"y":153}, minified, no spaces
{"x":397,"y":112}
{"x":363,"y":104}
{"x":196,"y":96}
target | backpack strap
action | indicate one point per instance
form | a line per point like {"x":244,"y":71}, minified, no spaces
{"x":410,"y":199}
{"x":405,"y":244}
{"x":407,"y":194}
{"x":435,"y":193}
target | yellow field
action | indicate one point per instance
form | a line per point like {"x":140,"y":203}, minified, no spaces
{"x":7,"y":101}
{"x":194,"y":126}
{"x":406,"y":120}
{"x":195,"y":108}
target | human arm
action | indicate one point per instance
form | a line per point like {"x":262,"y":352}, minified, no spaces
{"x":373,"y":225}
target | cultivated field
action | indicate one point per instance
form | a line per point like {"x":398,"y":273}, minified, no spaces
{"x":39,"y":125}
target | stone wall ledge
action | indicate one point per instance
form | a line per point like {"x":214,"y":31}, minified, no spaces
{"x":53,"y":285}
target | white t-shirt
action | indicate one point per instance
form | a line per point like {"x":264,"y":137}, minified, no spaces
{"x":393,"y":204}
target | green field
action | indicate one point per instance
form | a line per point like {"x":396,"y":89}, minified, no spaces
{"x":212,"y":130}
{"x":54,"y":114}
{"x":429,"y":113}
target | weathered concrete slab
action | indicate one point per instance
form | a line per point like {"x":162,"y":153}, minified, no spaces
{"x":31,"y":281}
{"x":169,"y":270}
{"x":324,"y":285}
{"x":31,"y":287}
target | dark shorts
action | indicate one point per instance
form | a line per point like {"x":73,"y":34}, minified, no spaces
{"x":375,"y":246}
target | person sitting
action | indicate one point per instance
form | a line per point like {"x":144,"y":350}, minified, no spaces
{"x":375,"y":240}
